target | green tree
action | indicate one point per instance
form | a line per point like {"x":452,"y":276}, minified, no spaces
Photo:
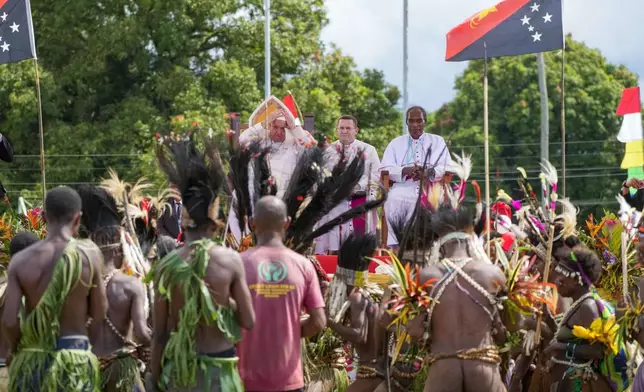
{"x":330,"y":86}
{"x":593,"y":90}
{"x":115,"y":73}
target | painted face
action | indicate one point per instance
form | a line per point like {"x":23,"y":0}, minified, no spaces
{"x":416,"y":123}
{"x":278,"y":131}
{"x":347,"y":131}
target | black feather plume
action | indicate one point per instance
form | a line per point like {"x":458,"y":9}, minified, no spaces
{"x":355,"y":251}
{"x":240,"y":159}
{"x":198,"y":175}
{"x":329,"y":193}
{"x":345,"y":217}
{"x":100,"y":219}
{"x":264,"y":182}
{"x":307,"y":173}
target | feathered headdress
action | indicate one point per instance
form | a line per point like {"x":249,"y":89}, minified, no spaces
{"x":314,"y":191}
{"x":101,"y":223}
{"x":199,"y":176}
{"x":353,"y":270}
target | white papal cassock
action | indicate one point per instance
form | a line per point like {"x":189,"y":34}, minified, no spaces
{"x":404,"y":151}
{"x":282,"y":160}
{"x":368,"y":184}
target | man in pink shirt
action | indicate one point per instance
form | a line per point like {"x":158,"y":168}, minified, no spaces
{"x":282,"y":283}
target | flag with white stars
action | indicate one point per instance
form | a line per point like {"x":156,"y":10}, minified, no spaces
{"x":16,"y":31}
{"x":510,"y":28}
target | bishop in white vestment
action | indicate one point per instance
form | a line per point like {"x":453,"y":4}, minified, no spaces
{"x":285,"y":139}
{"x":404,"y":159}
{"x":347,"y":148}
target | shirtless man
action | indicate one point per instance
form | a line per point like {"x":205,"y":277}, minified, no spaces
{"x":112,"y":339}
{"x":19,"y":242}
{"x":359,"y":325}
{"x":196,"y":332}
{"x":462,"y":325}
{"x":61,"y":281}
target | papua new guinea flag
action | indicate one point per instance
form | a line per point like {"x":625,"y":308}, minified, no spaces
{"x":510,"y":28}
{"x":16,"y":31}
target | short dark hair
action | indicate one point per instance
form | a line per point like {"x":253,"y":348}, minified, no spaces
{"x":578,"y":257}
{"x":21,"y":241}
{"x":416,"y":108}
{"x":61,"y":204}
{"x":348,"y":117}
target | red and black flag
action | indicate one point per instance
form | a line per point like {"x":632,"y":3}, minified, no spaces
{"x":16,"y":31}
{"x":510,"y":28}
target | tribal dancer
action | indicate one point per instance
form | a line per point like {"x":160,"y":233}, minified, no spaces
{"x":126,"y":298}
{"x":462,"y":320}
{"x":195,"y":334}
{"x":61,"y":280}
{"x":353,"y":309}
{"x":586,"y":354}
{"x":19,"y":242}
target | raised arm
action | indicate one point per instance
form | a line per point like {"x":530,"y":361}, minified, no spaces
{"x":303,"y":138}
{"x":12,"y":303}
{"x":142,"y":331}
{"x":241,"y":294}
{"x":253,"y":133}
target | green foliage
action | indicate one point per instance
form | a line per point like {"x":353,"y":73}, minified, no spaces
{"x":593,"y":89}
{"x":115,"y":73}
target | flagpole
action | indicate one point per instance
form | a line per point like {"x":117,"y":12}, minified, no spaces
{"x":41,"y":132}
{"x":545,"y":126}
{"x":405,"y":64}
{"x":563,"y":119}
{"x":487,"y":152}
{"x":267,"y":49}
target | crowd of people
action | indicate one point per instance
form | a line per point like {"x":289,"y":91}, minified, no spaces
{"x":218,"y":288}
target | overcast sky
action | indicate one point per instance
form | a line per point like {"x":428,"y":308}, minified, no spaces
{"x":371,"y":32}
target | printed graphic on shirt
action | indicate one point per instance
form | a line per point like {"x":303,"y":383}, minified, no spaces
{"x":271,"y":273}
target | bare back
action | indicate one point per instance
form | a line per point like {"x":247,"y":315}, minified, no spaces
{"x":34,"y":268}
{"x":221,"y":275}
{"x":126,"y":299}
{"x":459,"y":322}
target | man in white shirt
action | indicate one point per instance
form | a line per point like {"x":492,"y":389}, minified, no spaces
{"x":285,"y":138}
{"x":346,"y":147}
{"x":404,"y":159}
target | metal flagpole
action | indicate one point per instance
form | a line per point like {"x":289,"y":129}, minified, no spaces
{"x":267,"y":49}
{"x":563,"y":120}
{"x":545,"y":125}
{"x":487,"y":153}
{"x":41,"y":132}
{"x":405,"y":64}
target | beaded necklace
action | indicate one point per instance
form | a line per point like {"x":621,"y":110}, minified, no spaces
{"x":571,"y":310}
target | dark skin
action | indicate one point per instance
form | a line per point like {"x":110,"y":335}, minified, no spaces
{"x":269,"y":226}
{"x":459,"y":323}
{"x":30,"y":272}
{"x":548,"y":327}
{"x":226,"y":282}
{"x":126,"y":310}
{"x":362,"y":332}
{"x":585,"y":314}
{"x":415,"y":124}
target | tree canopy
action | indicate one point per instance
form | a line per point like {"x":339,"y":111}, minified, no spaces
{"x":593,"y":88}
{"x":115,"y":73}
